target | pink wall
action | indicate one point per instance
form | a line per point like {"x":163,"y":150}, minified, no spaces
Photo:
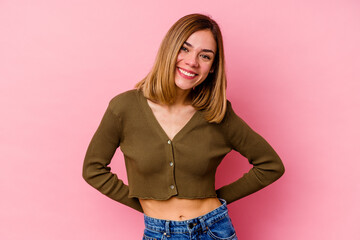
{"x":293,"y":70}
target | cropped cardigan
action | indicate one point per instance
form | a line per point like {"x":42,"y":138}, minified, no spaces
{"x":159,"y":168}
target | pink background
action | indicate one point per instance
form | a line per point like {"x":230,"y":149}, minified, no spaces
{"x":293,"y":75}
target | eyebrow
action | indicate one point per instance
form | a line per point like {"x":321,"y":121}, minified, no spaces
{"x":203,"y":50}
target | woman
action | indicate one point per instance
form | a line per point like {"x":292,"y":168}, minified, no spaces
{"x":174,"y":129}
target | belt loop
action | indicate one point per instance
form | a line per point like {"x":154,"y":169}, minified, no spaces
{"x":203,"y":226}
{"x":167,"y":228}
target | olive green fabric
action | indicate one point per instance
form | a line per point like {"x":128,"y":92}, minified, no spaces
{"x":159,"y":168}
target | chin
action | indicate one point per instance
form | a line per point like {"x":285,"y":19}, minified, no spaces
{"x":184,"y":86}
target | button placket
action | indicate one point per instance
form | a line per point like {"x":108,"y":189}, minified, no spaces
{"x":172,"y":184}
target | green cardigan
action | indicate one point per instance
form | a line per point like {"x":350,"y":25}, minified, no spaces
{"x":159,"y":168}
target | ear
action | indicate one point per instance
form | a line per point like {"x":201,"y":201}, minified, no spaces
{"x":211,"y":70}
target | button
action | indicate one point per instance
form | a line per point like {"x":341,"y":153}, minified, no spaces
{"x":172,"y":186}
{"x":169,"y":142}
{"x":191,"y":225}
{"x":171,"y":164}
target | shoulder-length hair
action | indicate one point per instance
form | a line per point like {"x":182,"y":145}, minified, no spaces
{"x":159,"y":84}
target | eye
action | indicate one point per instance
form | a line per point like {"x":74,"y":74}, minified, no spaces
{"x":207,"y":57}
{"x":184,"y":49}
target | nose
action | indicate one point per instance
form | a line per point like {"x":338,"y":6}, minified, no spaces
{"x":191,"y":60}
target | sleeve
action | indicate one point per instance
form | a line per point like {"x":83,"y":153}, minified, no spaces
{"x":267,"y":165}
{"x":98,"y":156}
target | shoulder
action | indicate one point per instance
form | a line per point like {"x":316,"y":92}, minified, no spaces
{"x":231,"y":118}
{"x":124,"y":101}
{"x":229,"y":112}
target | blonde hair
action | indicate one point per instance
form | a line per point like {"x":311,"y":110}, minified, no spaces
{"x":159,"y":84}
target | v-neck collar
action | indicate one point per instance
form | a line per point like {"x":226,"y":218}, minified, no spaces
{"x":154,"y":122}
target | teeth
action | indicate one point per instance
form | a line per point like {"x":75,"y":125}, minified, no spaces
{"x":186,"y":73}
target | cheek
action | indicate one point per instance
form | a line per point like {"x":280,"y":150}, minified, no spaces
{"x":179,"y":57}
{"x":207,"y":68}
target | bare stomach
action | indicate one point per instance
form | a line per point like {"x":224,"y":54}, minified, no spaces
{"x":178,"y":209}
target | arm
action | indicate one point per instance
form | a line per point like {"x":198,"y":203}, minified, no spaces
{"x":98,"y":156}
{"x":267,"y":166}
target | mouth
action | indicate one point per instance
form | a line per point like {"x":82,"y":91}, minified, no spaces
{"x":186,"y":74}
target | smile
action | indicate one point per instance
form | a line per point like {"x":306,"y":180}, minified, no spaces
{"x":186,"y":73}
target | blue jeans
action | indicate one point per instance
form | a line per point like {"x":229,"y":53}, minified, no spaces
{"x":213,"y":225}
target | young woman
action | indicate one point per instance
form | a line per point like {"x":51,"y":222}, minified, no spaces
{"x":174,"y":129}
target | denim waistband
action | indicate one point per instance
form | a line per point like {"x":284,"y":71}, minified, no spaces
{"x":194,"y":224}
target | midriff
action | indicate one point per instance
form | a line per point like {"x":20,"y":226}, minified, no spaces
{"x":178,"y":209}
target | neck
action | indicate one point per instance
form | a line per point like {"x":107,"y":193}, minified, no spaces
{"x":182,"y":97}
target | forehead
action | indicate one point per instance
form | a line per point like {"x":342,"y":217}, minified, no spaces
{"x":202,"y":39}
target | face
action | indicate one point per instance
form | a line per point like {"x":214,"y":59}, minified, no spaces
{"x":195,"y":60}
